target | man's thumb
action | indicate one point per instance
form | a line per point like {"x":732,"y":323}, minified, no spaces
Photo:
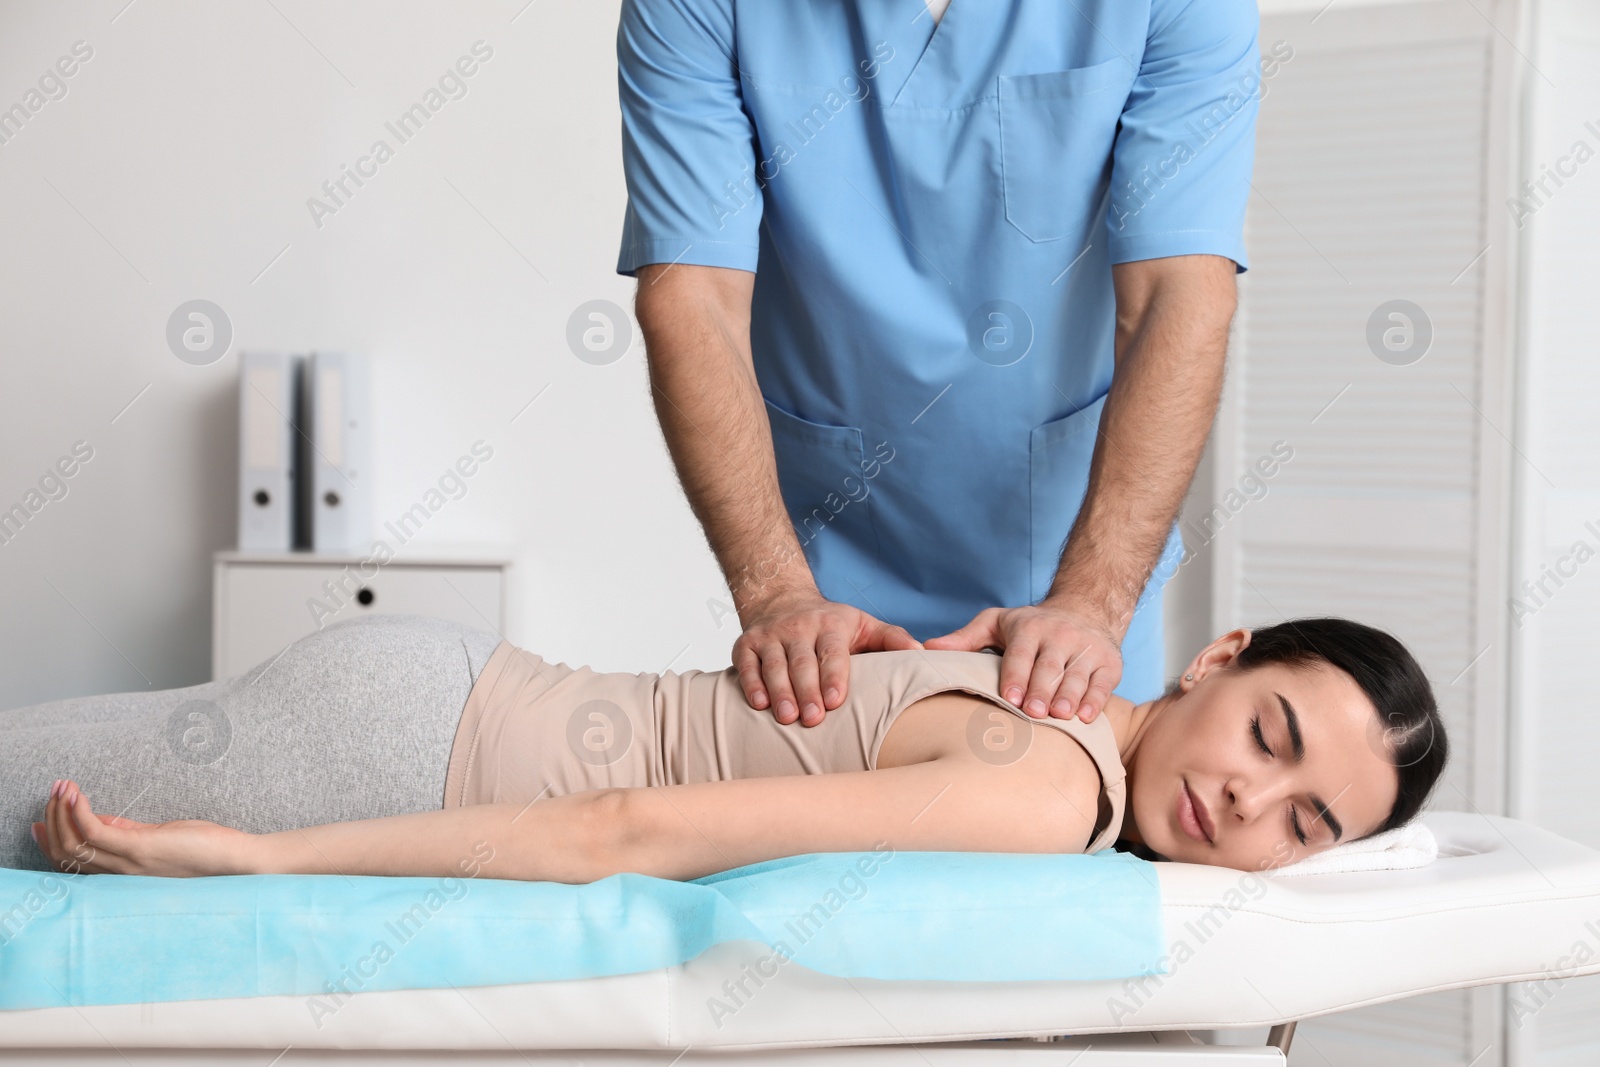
{"x":890,"y":638}
{"x":899,"y":637}
{"x":975,"y":635}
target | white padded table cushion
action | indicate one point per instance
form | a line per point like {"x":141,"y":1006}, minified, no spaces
{"x":1505,"y":901}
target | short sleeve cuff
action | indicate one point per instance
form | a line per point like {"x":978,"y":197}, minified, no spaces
{"x":1179,"y":243}
{"x":700,"y":253}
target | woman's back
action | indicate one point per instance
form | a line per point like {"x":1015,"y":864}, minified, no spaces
{"x":533,"y":728}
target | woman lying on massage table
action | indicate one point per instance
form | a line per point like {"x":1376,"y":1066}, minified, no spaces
{"x":400,"y":745}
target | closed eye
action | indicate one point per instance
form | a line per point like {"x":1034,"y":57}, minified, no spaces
{"x":1261,"y":742}
{"x":1255,"y":728}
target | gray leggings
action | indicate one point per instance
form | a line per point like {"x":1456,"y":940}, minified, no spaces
{"x":352,"y":722}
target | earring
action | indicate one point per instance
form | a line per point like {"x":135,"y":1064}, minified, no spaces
{"x":1188,"y":677}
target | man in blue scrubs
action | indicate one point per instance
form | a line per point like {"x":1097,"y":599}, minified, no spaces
{"x":935,"y":302}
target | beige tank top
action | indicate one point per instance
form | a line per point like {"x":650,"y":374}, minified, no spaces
{"x":533,"y":728}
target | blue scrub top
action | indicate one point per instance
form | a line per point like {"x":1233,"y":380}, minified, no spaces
{"x":934,"y":209}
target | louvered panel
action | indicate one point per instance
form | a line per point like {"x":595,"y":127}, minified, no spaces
{"x":1423,"y":598}
{"x":1370,"y":186}
{"x":1426,"y":1029}
{"x":1369,"y":166}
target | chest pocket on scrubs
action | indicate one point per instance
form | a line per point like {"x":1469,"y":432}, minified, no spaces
{"x":1056,"y":134}
{"x":823,"y":472}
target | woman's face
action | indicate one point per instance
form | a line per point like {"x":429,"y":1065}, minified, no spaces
{"x":1205,"y":788}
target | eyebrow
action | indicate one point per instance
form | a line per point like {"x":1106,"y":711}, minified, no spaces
{"x":1298,"y":744}
{"x":1327,"y":816}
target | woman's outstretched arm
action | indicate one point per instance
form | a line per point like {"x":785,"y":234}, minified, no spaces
{"x":562,"y":836}
{"x":1044,"y":802}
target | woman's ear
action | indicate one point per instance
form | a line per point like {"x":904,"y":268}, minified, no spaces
{"x":1218,"y":654}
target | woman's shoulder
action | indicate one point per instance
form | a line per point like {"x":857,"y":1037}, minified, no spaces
{"x":1035,"y":765}
{"x":953,"y":706}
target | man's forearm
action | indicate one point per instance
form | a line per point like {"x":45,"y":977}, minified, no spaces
{"x":696,"y":323}
{"x":1172,"y":336}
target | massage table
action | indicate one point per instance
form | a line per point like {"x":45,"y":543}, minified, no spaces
{"x":1504,"y":902}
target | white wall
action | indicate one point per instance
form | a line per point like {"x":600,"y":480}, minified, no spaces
{"x":178,"y":166}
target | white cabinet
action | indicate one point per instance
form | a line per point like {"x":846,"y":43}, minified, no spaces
{"x":261,"y":601}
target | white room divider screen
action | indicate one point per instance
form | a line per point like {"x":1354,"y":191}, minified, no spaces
{"x":1441,"y":420}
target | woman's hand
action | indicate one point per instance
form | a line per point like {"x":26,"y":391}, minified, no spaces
{"x":77,"y":841}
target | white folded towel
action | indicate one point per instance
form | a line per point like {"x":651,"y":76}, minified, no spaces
{"x":1411,"y":845}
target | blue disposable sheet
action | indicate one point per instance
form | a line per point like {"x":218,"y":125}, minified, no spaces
{"x":112,"y":939}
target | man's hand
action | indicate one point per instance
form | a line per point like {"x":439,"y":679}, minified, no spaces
{"x":1059,"y":660}
{"x":796,"y":649}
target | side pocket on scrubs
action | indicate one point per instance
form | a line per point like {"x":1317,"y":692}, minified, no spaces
{"x":1058,"y":480}
{"x":822,"y":472}
{"x":1056,"y":134}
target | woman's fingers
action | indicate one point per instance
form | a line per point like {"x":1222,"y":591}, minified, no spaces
{"x":52,"y":823}
{"x":78,"y":841}
{"x":105,"y":845}
{"x":76,"y":837}
{"x":73,"y":843}
{"x":60,"y":850}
